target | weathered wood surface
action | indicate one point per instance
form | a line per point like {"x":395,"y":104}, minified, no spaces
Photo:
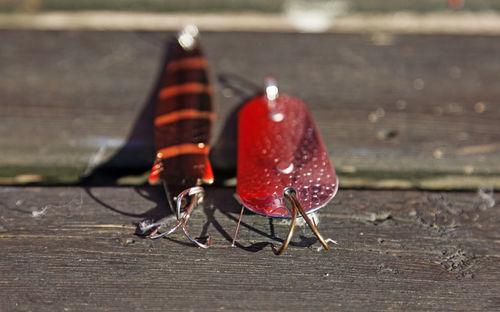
{"x":398,"y":250}
{"x":394,"y":110}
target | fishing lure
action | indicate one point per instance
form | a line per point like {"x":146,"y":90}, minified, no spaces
{"x":281,"y":155}
{"x":182,"y":124}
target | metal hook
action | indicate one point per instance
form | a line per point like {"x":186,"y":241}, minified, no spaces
{"x":291,"y":194}
{"x":190,"y":192}
{"x":290,"y":232}
{"x":197,"y":194}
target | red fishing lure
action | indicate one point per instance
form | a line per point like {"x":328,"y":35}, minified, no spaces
{"x":281,"y":155}
{"x":182,"y":124}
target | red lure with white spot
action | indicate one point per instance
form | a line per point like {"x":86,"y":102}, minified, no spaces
{"x":280,"y":149}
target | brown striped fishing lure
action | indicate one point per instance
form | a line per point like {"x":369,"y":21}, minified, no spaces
{"x":182,"y":124}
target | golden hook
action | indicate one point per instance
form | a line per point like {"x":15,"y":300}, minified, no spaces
{"x":291,"y":195}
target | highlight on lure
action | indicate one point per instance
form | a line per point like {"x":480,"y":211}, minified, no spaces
{"x":280,"y":147}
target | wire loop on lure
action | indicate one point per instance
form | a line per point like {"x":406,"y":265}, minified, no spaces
{"x":291,"y":195}
{"x":187,"y":37}
{"x":196,"y":193}
{"x":272,"y":94}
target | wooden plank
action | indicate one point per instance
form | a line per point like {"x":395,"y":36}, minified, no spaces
{"x":400,"y":250}
{"x":395,"y":111}
{"x":457,"y":23}
{"x":231,"y":5}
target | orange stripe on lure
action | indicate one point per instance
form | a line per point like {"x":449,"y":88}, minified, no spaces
{"x":187,"y":63}
{"x":187,"y":88}
{"x":180,"y":150}
{"x":183,"y":114}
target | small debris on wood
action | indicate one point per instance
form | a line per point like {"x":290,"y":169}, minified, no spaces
{"x":377,"y":218}
{"x":40,"y":212}
{"x":386,"y":134}
{"x":486,"y":199}
{"x":127,"y":241}
{"x":146,"y":225}
{"x":376,"y":115}
{"x":479,"y":107}
{"x":457,"y":262}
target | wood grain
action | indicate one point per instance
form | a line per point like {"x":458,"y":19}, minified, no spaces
{"x":395,"y":111}
{"x":398,"y":250}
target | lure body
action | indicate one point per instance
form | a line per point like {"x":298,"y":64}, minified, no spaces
{"x":183,"y":121}
{"x":279,"y":147}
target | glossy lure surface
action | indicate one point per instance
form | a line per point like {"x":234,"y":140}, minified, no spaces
{"x":183,"y":122}
{"x":281,"y":156}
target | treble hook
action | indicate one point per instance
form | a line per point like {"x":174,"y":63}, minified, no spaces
{"x":196,"y":194}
